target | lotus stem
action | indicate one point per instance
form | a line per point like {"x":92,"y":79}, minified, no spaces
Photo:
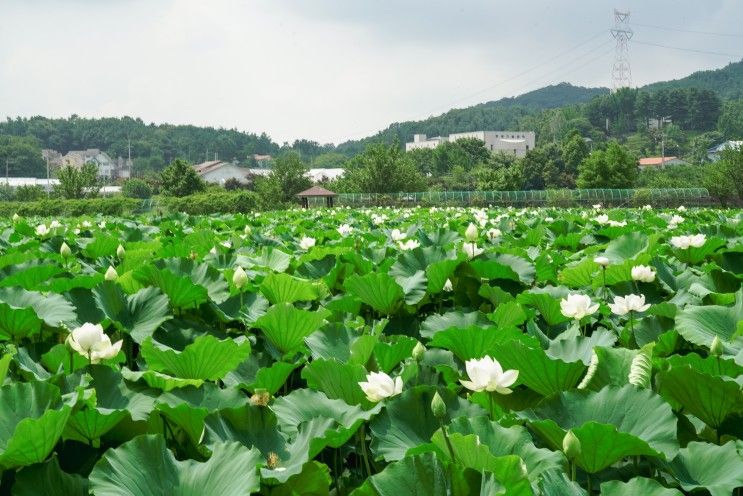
{"x":603,"y":269}
{"x":72,"y":361}
{"x":490,"y":400}
{"x":448,"y":442}
{"x":572,"y":471}
{"x":365,"y":454}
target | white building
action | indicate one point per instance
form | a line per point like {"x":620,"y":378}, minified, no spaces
{"x":713,"y":154}
{"x":514,"y":142}
{"x":218,"y":172}
{"x":108,"y":168}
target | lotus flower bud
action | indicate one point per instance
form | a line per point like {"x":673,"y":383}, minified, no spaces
{"x":239,"y":278}
{"x":418,"y":351}
{"x":120,"y":251}
{"x":438,"y":407}
{"x":16,"y":217}
{"x":64,"y":250}
{"x":571,"y":445}
{"x":111,"y":274}
{"x":471,"y":233}
{"x":602,"y":261}
{"x":716,"y":348}
{"x":247,"y":230}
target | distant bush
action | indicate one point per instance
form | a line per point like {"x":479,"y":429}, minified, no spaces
{"x":212,"y":203}
{"x":67,"y":208}
{"x":29,"y":193}
{"x":136,"y":188}
{"x":560,"y":198}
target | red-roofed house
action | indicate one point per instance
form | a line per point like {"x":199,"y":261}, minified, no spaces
{"x":653,"y":162}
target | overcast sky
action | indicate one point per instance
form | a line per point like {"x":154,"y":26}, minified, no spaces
{"x":332,"y":70}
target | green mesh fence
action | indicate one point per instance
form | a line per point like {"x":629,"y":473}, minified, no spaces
{"x":556,"y":197}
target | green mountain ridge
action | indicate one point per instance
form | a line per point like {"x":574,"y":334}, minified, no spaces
{"x":507,"y":113}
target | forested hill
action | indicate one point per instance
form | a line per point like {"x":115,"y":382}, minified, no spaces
{"x":500,"y":114}
{"x":726,"y":82}
{"x":510,"y":113}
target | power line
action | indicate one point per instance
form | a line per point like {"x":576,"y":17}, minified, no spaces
{"x":710,"y":33}
{"x":694,"y":50}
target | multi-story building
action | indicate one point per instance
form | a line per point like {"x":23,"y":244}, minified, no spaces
{"x":108,"y":168}
{"x":514,"y":142}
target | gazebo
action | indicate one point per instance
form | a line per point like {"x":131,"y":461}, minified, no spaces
{"x":316,"y":192}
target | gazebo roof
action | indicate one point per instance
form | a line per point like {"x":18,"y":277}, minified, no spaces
{"x":315,"y":191}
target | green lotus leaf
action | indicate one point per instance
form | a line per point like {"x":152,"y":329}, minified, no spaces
{"x":437,"y":323}
{"x":422,"y":475}
{"x":612,"y":368}
{"x":251,"y":376}
{"x":548,"y":306}
{"x":508,"y":314}
{"x":701,"y":324}
{"x":626,"y":247}
{"x":283,"y":288}
{"x":139,"y":315}
{"x":50,"y":480}
{"x":17,"y":323}
{"x":247,"y":308}
{"x":718,"y":469}
{"x":32,"y":418}
{"x":181,"y":290}
{"x":286,"y":326}
{"x":53,"y":309}
{"x":638,"y":485}
{"x":503,"y":441}
{"x":337,"y":380}
{"x":389,"y":354}
{"x":491,"y":269}
{"x":89,"y":424}
{"x":474,"y":342}
{"x":203,"y":275}
{"x":378,"y":290}
{"x":579,"y":275}
{"x":574,"y":348}
{"x":114,"y":393}
{"x":407,"y":421}
{"x":207,"y":358}
{"x":313,"y":480}
{"x":611,"y":424}
{"x":537,"y":371}
{"x":710,"y":398}
{"x":30,"y":277}
{"x":144,"y":465}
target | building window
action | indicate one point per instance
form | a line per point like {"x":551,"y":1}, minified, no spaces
{"x":527,"y":148}
{"x":491,"y":148}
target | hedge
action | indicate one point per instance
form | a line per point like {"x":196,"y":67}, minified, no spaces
{"x":226,"y":202}
{"x":71,"y":208}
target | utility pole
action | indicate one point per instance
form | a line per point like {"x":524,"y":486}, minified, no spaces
{"x":48,"y":186}
{"x":621,"y":74}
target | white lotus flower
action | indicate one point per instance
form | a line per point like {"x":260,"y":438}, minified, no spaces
{"x":86,"y":224}
{"x":410,"y":244}
{"x":617,"y":223}
{"x":344,"y":230}
{"x":448,"y":286}
{"x":472,"y":250}
{"x":629,"y":303}
{"x":577,"y":306}
{"x":379,"y":386}
{"x":55,"y":224}
{"x":643,"y":273}
{"x":549,"y":219}
{"x":42,"y":230}
{"x":111,"y":274}
{"x":597,"y":206}
{"x":471,"y":233}
{"x":602,"y":261}
{"x":681,"y":208}
{"x":226,"y":244}
{"x":601,"y":219}
{"x":213,"y":251}
{"x":102,"y":224}
{"x":397,"y":235}
{"x":239,"y":277}
{"x":647,"y":207}
{"x":306,"y":243}
{"x":90,"y":341}
{"x":675,"y":221}
{"x":486,"y":374}
{"x":686,"y":242}
{"x":493,"y":234}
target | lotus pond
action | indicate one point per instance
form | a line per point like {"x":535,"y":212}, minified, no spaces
{"x":387,"y":352}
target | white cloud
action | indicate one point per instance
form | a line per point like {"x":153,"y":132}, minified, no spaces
{"x":324,"y":69}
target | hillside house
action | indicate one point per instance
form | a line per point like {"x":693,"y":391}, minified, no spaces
{"x":517,"y":143}
{"x":714,"y":153}
{"x":659,"y":162}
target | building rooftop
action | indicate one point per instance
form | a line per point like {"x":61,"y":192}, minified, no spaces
{"x":656,"y":160}
{"x":315,"y":191}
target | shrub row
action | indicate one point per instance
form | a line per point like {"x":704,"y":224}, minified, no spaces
{"x":210,"y":203}
{"x":70,"y":208}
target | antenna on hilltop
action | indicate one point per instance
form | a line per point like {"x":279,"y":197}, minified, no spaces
{"x":621,"y":74}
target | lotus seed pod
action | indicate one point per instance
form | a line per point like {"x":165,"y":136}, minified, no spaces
{"x":438,"y":407}
{"x":571,"y":445}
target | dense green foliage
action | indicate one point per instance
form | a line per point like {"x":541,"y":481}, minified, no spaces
{"x":93,"y":206}
{"x":381,"y":169}
{"x":180,"y":179}
{"x":610,"y":168}
{"x":233,"y":355}
{"x":82,"y":182}
{"x":136,"y":188}
{"x":21,"y":156}
{"x":212,"y":202}
{"x":287,"y":178}
{"x":727,"y":82}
